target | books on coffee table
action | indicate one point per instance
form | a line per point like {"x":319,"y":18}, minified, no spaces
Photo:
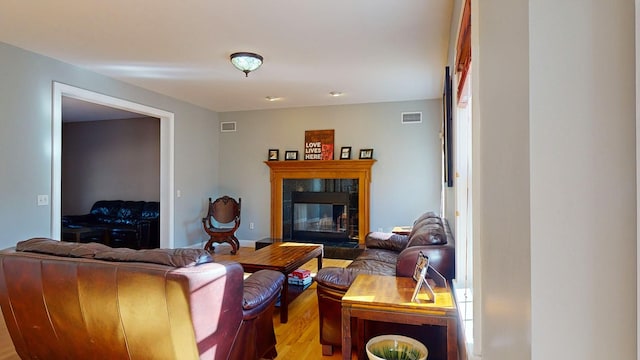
{"x":300,"y":277}
{"x":300,"y":273}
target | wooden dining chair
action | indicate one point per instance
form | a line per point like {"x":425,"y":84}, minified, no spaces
{"x":221,"y":222}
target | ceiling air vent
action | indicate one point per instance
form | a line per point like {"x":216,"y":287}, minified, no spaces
{"x":228,"y":126}
{"x":411,"y":117}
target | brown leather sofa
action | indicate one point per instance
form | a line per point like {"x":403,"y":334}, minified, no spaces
{"x":89,"y":301}
{"x":384,"y":254}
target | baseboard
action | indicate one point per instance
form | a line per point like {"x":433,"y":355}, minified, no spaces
{"x":247,"y":243}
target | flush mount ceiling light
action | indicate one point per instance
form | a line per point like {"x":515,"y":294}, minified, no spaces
{"x":246,"y":62}
{"x":272,"y":98}
{"x":335,"y":93}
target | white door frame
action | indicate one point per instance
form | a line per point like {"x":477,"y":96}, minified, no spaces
{"x":166,"y":155}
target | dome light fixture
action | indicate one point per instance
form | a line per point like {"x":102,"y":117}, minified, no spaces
{"x":246,"y":61}
{"x":335,"y":93}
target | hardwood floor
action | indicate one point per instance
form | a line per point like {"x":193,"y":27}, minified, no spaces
{"x":297,"y":339}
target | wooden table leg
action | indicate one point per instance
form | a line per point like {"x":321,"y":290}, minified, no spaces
{"x":360,"y":343}
{"x":452,"y":339}
{"x":284,"y":301}
{"x":346,"y":333}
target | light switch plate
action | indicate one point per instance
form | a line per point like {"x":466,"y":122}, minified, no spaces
{"x":43,"y":200}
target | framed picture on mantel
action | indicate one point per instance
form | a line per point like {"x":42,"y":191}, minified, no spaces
{"x":345,"y":153}
{"x":291,"y":155}
{"x":366,"y":153}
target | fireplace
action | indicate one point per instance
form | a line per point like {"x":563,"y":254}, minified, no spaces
{"x":352,"y":177}
{"x":320,"y":217}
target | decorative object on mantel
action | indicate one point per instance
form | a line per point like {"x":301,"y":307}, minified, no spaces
{"x":246,"y":62}
{"x":366,"y":153}
{"x":318,"y":144}
{"x":274,"y":155}
{"x":345,"y":153}
{"x":291,"y":155}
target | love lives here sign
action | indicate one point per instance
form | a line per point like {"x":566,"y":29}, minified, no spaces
{"x":318,"y":144}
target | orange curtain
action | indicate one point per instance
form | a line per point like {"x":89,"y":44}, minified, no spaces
{"x":463,"y":55}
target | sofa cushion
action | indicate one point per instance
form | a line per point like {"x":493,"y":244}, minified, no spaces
{"x":427,"y":230}
{"x":59,"y":248}
{"x":427,"y":215}
{"x":150,"y":210}
{"x":106,"y":210}
{"x":377,"y":255}
{"x":168,"y":257}
{"x":373,"y":267}
{"x":129,"y":212}
{"x":388,"y":241}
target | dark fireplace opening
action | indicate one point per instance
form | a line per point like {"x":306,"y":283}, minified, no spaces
{"x":320,"y":216}
{"x":322,"y":211}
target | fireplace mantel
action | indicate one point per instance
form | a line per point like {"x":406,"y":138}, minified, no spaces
{"x":320,"y":169}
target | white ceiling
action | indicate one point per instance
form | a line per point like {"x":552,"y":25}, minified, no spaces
{"x":371,"y":50}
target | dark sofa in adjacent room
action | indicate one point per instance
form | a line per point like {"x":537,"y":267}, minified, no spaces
{"x":385,"y":254}
{"x":132,"y":224}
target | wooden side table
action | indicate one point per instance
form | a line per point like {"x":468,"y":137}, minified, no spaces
{"x":402,"y":230}
{"x":388,"y":299}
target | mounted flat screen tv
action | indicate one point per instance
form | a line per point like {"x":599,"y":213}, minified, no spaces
{"x":447,"y":105}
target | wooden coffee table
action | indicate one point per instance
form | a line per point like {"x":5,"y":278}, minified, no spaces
{"x":388,"y":299}
{"x":284,"y":257}
{"x":81,"y":234}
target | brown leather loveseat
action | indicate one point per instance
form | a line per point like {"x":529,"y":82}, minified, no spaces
{"x":385,"y":254}
{"x":89,"y":301}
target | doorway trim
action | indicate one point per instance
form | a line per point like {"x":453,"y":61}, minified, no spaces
{"x":166,"y":155}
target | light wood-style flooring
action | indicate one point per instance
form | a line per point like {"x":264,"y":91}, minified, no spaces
{"x":297,"y":339}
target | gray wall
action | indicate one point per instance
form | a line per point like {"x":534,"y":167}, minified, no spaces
{"x":109,"y":160}
{"x":405,"y":180}
{"x":25,"y":143}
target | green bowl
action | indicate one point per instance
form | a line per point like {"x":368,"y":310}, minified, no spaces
{"x":395,"y":347}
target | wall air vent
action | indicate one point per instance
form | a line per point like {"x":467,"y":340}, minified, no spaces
{"x":228,"y":126}
{"x":411,"y":117}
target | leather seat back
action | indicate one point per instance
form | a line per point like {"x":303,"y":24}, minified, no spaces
{"x":81,"y":308}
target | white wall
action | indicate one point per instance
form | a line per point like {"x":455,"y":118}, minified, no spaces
{"x":501,"y":179}
{"x":109,"y":160}
{"x":556,"y":209}
{"x":583,"y":137}
{"x":25,"y":143}
{"x":405,"y":178}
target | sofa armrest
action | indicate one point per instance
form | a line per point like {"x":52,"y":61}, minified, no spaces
{"x":339,"y":278}
{"x":386,"y":241}
{"x":260,"y":290}
{"x":441,"y":258}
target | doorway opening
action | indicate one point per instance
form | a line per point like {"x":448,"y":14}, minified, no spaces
{"x":166,"y":155}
